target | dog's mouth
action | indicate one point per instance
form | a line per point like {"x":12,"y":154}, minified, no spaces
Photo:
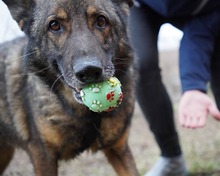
{"x":77,"y":95}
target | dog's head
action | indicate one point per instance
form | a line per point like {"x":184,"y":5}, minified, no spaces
{"x":82,"y":41}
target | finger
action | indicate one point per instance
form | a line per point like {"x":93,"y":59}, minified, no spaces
{"x":213,"y":110}
{"x":195,"y":122}
{"x":202,"y":116}
{"x":188,"y":121}
{"x":201,"y":121}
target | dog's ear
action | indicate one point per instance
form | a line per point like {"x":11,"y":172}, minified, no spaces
{"x":124,"y":5}
{"x":19,"y":10}
{"x":129,"y":2}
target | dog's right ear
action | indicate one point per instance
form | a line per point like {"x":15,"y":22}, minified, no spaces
{"x":129,"y":2}
{"x":19,"y":10}
{"x":124,"y":5}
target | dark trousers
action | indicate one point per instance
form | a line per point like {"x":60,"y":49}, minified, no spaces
{"x":151,"y":93}
{"x":215,"y":72}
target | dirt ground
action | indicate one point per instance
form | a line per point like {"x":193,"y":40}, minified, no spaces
{"x":200,"y":147}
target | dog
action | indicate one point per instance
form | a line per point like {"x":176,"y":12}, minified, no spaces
{"x":68,"y":44}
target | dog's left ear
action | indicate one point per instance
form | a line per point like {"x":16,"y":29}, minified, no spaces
{"x":19,"y":10}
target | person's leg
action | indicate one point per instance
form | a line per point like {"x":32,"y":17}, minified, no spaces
{"x":151,"y":93}
{"x":215,"y":72}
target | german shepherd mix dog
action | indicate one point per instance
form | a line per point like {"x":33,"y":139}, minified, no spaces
{"x":68,"y":44}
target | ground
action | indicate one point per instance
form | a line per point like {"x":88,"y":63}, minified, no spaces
{"x":200,"y":147}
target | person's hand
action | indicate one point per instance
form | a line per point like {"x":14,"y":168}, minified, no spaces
{"x":194,"y":108}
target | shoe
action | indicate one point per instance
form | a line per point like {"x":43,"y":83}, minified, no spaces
{"x":168,"y":167}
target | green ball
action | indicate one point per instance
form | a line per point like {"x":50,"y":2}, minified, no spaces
{"x":103,"y":96}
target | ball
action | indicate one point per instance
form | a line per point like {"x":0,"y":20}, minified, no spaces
{"x":104,"y":96}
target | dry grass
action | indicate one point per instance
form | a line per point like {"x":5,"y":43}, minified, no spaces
{"x":201,"y":147}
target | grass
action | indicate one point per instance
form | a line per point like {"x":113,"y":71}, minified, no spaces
{"x":201,"y":148}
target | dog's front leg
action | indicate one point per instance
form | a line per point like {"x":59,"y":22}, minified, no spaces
{"x":44,"y":162}
{"x":121,"y":158}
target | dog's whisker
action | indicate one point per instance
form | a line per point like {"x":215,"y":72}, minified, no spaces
{"x":55,"y":82}
{"x":123,"y":64}
{"x":120,"y":58}
{"x":39,"y":71}
{"x":51,"y":89}
{"x":122,"y":71}
{"x":28,"y":54}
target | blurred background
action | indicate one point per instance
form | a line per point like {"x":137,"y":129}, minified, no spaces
{"x":201,"y":146}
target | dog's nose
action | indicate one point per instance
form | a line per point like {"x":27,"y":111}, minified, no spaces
{"x":88,"y":71}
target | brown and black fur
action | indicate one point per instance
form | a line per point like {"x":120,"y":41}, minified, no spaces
{"x":68,"y":44}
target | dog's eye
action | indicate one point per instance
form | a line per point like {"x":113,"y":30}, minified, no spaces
{"x":101,"y":22}
{"x":55,"y":26}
